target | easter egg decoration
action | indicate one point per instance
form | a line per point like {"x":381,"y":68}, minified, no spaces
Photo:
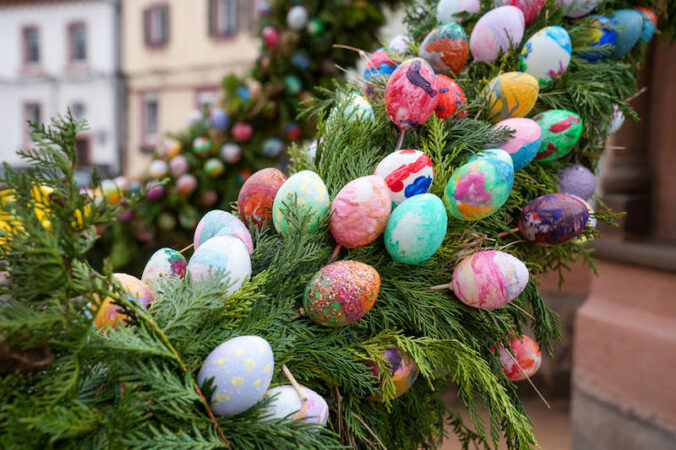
{"x":411,"y":93}
{"x":578,"y":8}
{"x":524,"y":144}
{"x":649,"y":23}
{"x":561,"y":130}
{"x":242,"y":131}
{"x":578,"y":181}
{"x":451,"y":98}
{"x":546,"y":55}
{"x":194,"y":117}
{"x":158,"y":168}
{"x":496,"y":32}
{"x":292,"y":85}
{"x":598,"y":42}
{"x":297,"y":18}
{"x":241,"y":369}
{"x":311,"y":195}
{"x":135,"y":290}
{"x":258,"y":194}
{"x":231,"y":153}
{"x":630,"y":27}
{"x":512,"y":94}
{"x":213,"y":167}
{"x":286,"y":402}
{"x":219,"y":119}
{"x":553,"y":219}
{"x":446,"y":48}
{"x":355,"y":108}
{"x":292,"y":131}
{"x":399,"y":44}
{"x":209,"y":198}
{"x":168,"y":151}
{"x":212,"y":222}
{"x":359,"y":212}
{"x":489,"y":279}
{"x":530,"y":8}
{"x":272,"y":147}
{"x":450,"y":10}
{"x":270,"y":37}
{"x":155,"y":192}
{"x":315,"y":26}
{"x":201,"y":146}
{"x":186,"y":184}
{"x":341,"y":293}
{"x":178,"y":165}
{"x":416,"y":229}
{"x":407,"y":173}
{"x":164,"y":263}
{"x":402,"y":370}
{"x":617,"y":121}
{"x":525,"y":361}
{"x":379,"y":67}
{"x":226,"y":254}
{"x":301,"y":59}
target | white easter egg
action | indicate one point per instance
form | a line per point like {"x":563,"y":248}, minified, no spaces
{"x":546,"y":54}
{"x":407,"y":173}
{"x":495,"y":32}
{"x":287,"y":403}
{"x":222,"y":253}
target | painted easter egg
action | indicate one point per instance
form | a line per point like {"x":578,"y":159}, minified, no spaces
{"x":577,"y":180}
{"x":495,"y":32}
{"x":297,"y":18}
{"x":213,"y":221}
{"x":480,"y":187}
{"x":451,"y":98}
{"x":527,"y":355}
{"x":379,"y":67}
{"x":578,"y":8}
{"x":411,"y":93}
{"x":286,"y":402}
{"x":399,"y":44}
{"x":311,"y":195}
{"x":524,"y":144}
{"x":450,"y":10}
{"x":591,"y":223}
{"x":489,"y":279}
{"x":617,"y":121}
{"x":231,"y":153}
{"x":649,"y":23}
{"x":341,"y":293}
{"x":179,"y":166}
{"x":601,"y":39}
{"x":360,"y":211}
{"x":213,"y":167}
{"x":258,"y":194}
{"x":403,"y":371}
{"x":165,"y":263}
{"x":155,"y":192}
{"x":355,"y":108}
{"x":201,"y":146}
{"x":445,"y":48}
{"x":219,"y":119}
{"x":270,"y":37}
{"x":168,"y":151}
{"x":407,"y":173}
{"x":416,"y":229}
{"x":546,"y":54}
{"x":242,"y":131}
{"x":226,"y":254}
{"x":292,"y":84}
{"x":553,"y":219}
{"x":272,"y":147}
{"x":292,"y":131}
{"x":186,"y":184}
{"x":158,"y":168}
{"x":530,"y":8}
{"x":136,"y":291}
{"x":512,"y":94}
{"x":561,"y":130}
{"x":630,"y":27}
{"x":241,"y":369}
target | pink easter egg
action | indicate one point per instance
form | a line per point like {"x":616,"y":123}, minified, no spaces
{"x":242,"y":131}
{"x":411,"y":93}
{"x":527,"y":355}
{"x":530,"y":8}
{"x":495,"y":32}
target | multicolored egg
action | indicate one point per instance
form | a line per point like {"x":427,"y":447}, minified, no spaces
{"x":360,"y":211}
{"x":136,"y":291}
{"x":450,"y":10}
{"x":649,"y":23}
{"x":451,"y":98}
{"x":186,"y":184}
{"x":179,"y":166}
{"x":416,"y":229}
{"x":553,"y":219}
{"x":578,"y":8}
{"x":272,"y":147}
{"x":489,"y":279}
{"x":630,"y":27}
{"x":496,"y":32}
{"x":561,"y":129}
{"x":242,"y":131}
{"x":311,"y":195}
{"x":165,"y":263}
{"x":411,"y":93}
{"x":201,"y":146}
{"x":446,"y":48}
{"x":292,"y":131}
{"x":617,"y":121}
{"x":524,"y":144}
{"x":226,"y":254}
{"x":287,"y":403}
{"x":601,"y":38}
{"x":341,"y":293}
{"x":213,"y":167}
{"x":407,"y":173}
{"x":231,"y":153}
{"x":546,"y":54}
{"x":214,"y":221}
{"x":403,"y":372}
{"x":512,"y":94}
{"x":578,"y":181}
{"x":379,"y":67}
{"x":258,"y":194}
{"x":525,"y":361}
{"x":241,"y":369}
{"x":530,"y":8}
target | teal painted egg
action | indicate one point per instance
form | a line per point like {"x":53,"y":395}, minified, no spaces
{"x":561,"y":129}
{"x":416,"y":229}
{"x":312,"y":199}
{"x":630,"y":26}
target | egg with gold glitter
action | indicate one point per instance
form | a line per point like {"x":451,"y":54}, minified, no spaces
{"x":286,"y":402}
{"x":135,"y":290}
{"x":446,"y":48}
{"x":553,"y":219}
{"x":526,"y":359}
{"x":411,"y":93}
{"x":402,"y":370}
{"x":305,"y":191}
{"x":512,"y":94}
{"x":407,"y":173}
{"x":496,"y":32}
{"x":215,"y":221}
{"x":164,"y":263}
{"x":257,"y":196}
{"x":221,"y":254}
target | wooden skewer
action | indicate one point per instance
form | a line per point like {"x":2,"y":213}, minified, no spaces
{"x":441,"y":287}
{"x":294,"y":383}
{"x":186,"y":249}
{"x":529,"y":380}
{"x":505,"y":233}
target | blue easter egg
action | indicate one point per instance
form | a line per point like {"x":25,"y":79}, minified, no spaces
{"x":272,"y":147}
{"x":630,"y":23}
{"x":602,"y":37}
{"x":524,"y":143}
{"x":226,"y":254}
{"x":219,"y":119}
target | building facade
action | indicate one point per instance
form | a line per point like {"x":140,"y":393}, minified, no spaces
{"x":58,"y":55}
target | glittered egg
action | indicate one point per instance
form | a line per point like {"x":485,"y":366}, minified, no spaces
{"x":530,"y":8}
{"x":600,"y":39}
{"x":179,"y":166}
{"x":495,"y":33}
{"x":450,"y":10}
{"x":617,"y":121}
{"x":480,"y":187}
{"x":649,"y":23}
{"x":158,"y":168}
{"x":524,"y":362}
{"x":286,"y":402}
{"x":402,"y":370}
{"x":165,"y":263}
{"x":525,"y":142}
{"x":242,"y":131}
{"x":379,"y":67}
{"x":201,"y":146}
{"x":561,"y":129}
{"x":546,"y":55}
{"x":445,"y":48}
{"x":630,"y":26}
{"x":578,"y":8}
{"x":272,"y":147}
{"x":226,"y":254}
{"x":416,"y":229}
{"x":451,"y":98}
{"x":577,"y":180}
{"x":258,"y":194}
{"x":312,"y":199}
{"x":553,"y":219}
{"x":186,"y":184}
{"x":411,"y":93}
{"x":241,"y":369}
{"x":489,"y":279}
{"x":213,"y":167}
{"x":219,"y":119}
{"x":135,"y":290}
{"x":341,"y":293}
{"x":359,"y":212}
{"x":213,"y":221}
{"x":407,"y":173}
{"x":512,"y":94}
{"x":231,"y":153}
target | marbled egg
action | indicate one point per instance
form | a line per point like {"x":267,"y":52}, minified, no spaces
{"x":359,"y":212}
{"x":287,"y":403}
{"x":578,"y":8}
{"x":577,"y":180}
{"x":512,"y":94}
{"x":312,"y":199}
{"x":561,"y":130}
{"x":403,"y":371}
{"x":211,"y":224}
{"x":495,"y":32}
{"x":527,"y":355}
{"x":630,"y":27}
{"x":546,"y":54}
{"x":480,"y":187}
{"x":449,"y":10}
{"x":451,"y":97}
{"x":226,"y":254}
{"x":416,"y":229}
{"x":166,"y":262}
{"x":407,"y":173}
{"x":411,"y":93}
{"x":530,"y":8}
{"x":201,"y":146}
{"x":617,"y":121}
{"x":341,"y":293}
{"x":136,"y":291}
{"x":241,"y":369}
{"x":553,"y":219}
{"x":445,"y":48}
{"x":600,"y":39}
{"x":258,"y":194}
{"x":649,"y":23}
{"x":379,"y":67}
{"x":524,"y":144}
{"x":489,"y":279}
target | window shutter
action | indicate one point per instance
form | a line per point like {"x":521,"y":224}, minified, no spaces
{"x":146,"y":26}
{"x":211,"y":17}
{"x":165,"y":24}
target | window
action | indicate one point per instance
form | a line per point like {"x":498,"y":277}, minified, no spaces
{"x":149,"y":121}
{"x":223,"y":16}
{"x":31,"y":46}
{"x":78,"y":110}
{"x":83,"y":151}
{"x":77,"y":43}
{"x":32,"y":112}
{"x":206,"y":97}
{"x":156,"y":25}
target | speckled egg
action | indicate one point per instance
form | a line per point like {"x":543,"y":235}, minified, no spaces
{"x":524,"y":144}
{"x":495,"y":32}
{"x":630,"y":26}
{"x":213,"y":167}
{"x":449,"y":10}
{"x":451,"y":98}
{"x":561,"y":130}
{"x":166,"y":262}
{"x":416,"y":229}
{"x":411,"y":93}
{"x":577,"y":180}
{"x":341,"y":293}
{"x":617,"y":121}
{"x":379,"y":67}
{"x":649,"y":23}
{"x":241,"y":369}
{"x":553,"y":219}
{"x":403,"y":371}
{"x":137,"y":291}
{"x":226,"y":254}
{"x":287,"y":403}
{"x":445,"y":48}
{"x":489,"y":279}
{"x":359,"y":212}
{"x":512,"y":94}
{"x":601,"y":38}
{"x":258,"y":194}
{"x":311,"y":195}
{"x":527,"y":355}
{"x":213,"y":221}
{"x":201,"y":146}
{"x":578,"y":8}
{"x":179,"y":166}
{"x":546,"y":55}
{"x":530,"y":8}
{"x":407,"y":173}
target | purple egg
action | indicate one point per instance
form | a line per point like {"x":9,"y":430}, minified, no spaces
{"x":553,"y":219}
{"x":578,"y":181}
{"x":155,"y":193}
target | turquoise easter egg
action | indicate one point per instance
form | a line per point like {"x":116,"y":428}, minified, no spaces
{"x":561,"y":129}
{"x":630,"y":26}
{"x":649,"y":23}
{"x":416,"y":229}
{"x":546,"y":54}
{"x":311,"y":195}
